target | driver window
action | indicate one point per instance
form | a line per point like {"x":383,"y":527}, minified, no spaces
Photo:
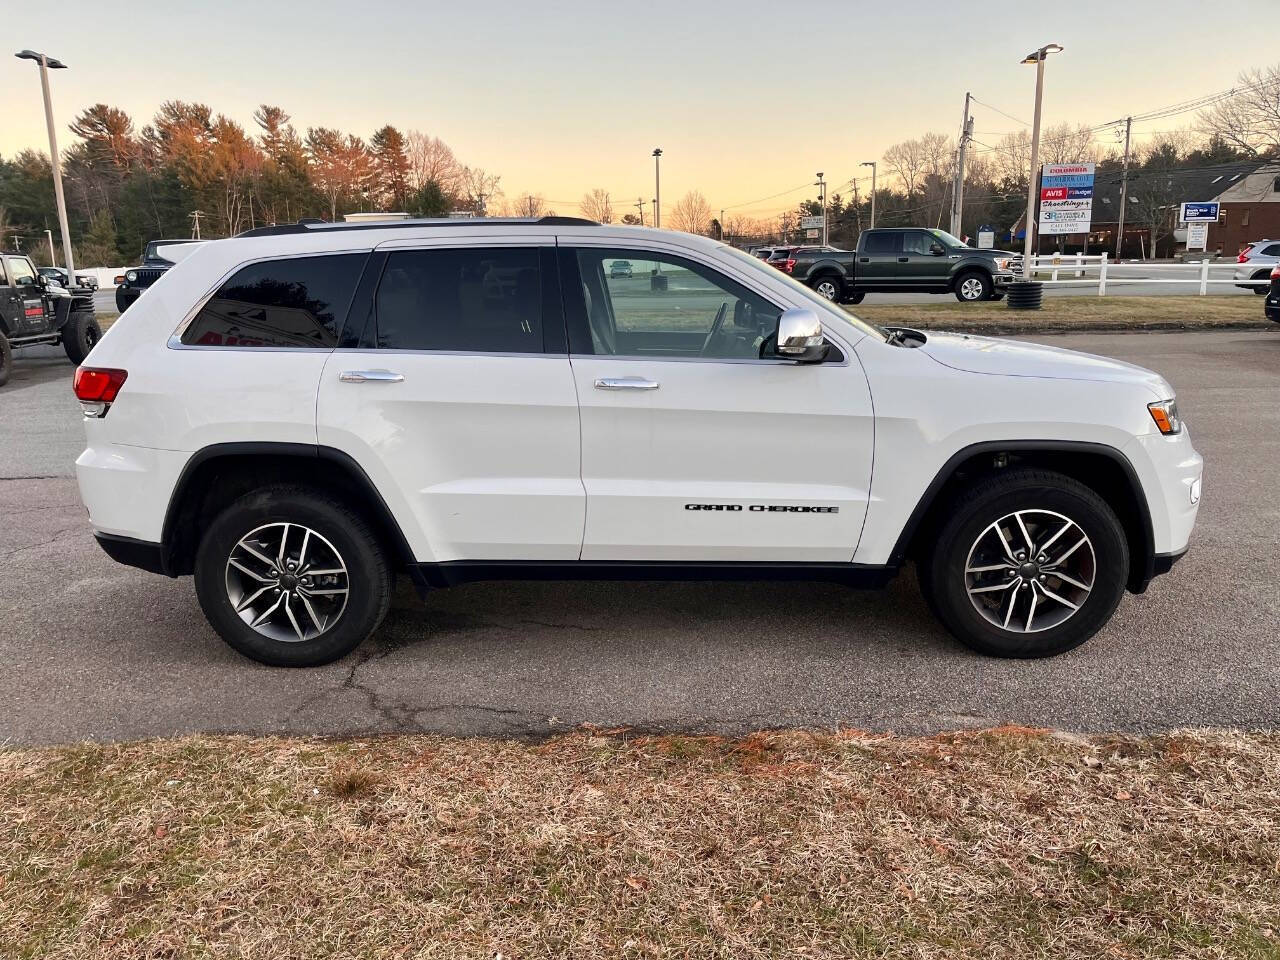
{"x":649,"y":304}
{"x":23,"y":272}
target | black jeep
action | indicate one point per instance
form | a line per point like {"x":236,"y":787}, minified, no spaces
{"x":34,"y":310}
{"x":155,"y":261}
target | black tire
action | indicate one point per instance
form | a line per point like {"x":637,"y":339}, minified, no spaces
{"x":968,"y":292}
{"x":369,"y":577}
{"x":6,"y":359}
{"x":1261,"y":275}
{"x":80,"y":334}
{"x":856,"y":297}
{"x":943,"y":573}
{"x":828,"y":286}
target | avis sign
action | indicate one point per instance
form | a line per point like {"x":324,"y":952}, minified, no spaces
{"x":1066,"y":197}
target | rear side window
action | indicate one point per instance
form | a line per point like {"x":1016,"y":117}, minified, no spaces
{"x":1272,"y":251}
{"x":297,"y":302}
{"x":883,"y":243}
{"x":475,"y":299}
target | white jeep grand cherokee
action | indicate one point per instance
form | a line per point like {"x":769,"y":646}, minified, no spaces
{"x":300,"y":413}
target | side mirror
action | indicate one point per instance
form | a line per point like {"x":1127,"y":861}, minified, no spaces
{"x":937,"y":249}
{"x":800,"y":336}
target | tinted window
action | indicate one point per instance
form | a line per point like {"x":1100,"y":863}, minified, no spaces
{"x":1272,"y":251}
{"x":883,"y":243}
{"x":298,"y":302}
{"x":486,"y":300}
{"x":670,"y":307}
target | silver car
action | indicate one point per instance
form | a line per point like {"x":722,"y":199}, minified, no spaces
{"x":1256,"y":261}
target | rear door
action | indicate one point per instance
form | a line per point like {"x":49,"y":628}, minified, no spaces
{"x":451,"y":387}
{"x":878,"y":254}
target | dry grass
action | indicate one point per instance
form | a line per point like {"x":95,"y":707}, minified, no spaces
{"x":1009,"y":843}
{"x":1075,"y":313}
{"x":105,"y":320}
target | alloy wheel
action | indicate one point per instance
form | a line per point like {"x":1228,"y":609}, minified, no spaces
{"x":826,"y":289}
{"x":1031,"y":570}
{"x":971,"y":288}
{"x":287,"y":582}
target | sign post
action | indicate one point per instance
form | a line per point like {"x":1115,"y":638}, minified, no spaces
{"x":1066,"y":198}
{"x":1197,"y":217}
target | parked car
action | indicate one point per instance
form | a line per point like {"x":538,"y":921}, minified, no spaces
{"x":1255,"y":263}
{"x":903,"y":260}
{"x":36,"y":310}
{"x":157,"y":257}
{"x":1272,"y":307}
{"x":82,"y":279}
{"x":762,"y":253}
{"x":620,"y":268}
{"x":314,"y":409}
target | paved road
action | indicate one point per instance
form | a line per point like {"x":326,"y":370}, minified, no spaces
{"x":92,"y":650}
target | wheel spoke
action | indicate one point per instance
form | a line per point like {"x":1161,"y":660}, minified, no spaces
{"x":1005,"y":543}
{"x":288,"y":609}
{"x":1031,"y":614}
{"x":261,"y":618}
{"x":1013,"y":601}
{"x":302,"y":554}
{"x":255,"y":552}
{"x":1081,"y":543}
{"x":336,"y":571}
{"x":991,"y":589}
{"x":1031,"y":547}
{"x":248,"y":601}
{"x":306,"y":605}
{"x":1053,"y":596}
{"x":284,"y":538}
{"x":310,"y":592}
{"x":1071,"y":580}
{"x":1054,"y":539}
{"x":245,"y":570}
{"x":987,"y":569}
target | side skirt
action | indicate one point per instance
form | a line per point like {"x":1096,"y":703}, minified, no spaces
{"x":454,"y":572}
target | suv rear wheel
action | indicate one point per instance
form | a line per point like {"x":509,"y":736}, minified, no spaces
{"x":80,"y":334}
{"x":1261,"y":275}
{"x":291,"y":577}
{"x":828,"y":287}
{"x":1031,"y":564}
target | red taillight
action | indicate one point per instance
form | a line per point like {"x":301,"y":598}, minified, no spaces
{"x":1244,"y":257}
{"x":1275,"y":272}
{"x":98,"y":386}
{"x":787,"y":265}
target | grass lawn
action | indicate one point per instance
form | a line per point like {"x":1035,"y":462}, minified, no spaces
{"x":105,"y":320}
{"x":1008,"y":843}
{"x":1074,"y":313}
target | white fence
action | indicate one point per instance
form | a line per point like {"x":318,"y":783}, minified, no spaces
{"x":1074,"y":269}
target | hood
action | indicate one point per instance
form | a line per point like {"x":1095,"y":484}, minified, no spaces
{"x":1016,"y":358}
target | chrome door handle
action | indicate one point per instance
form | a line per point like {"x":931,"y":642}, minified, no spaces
{"x":370,"y":376}
{"x":626,"y":383}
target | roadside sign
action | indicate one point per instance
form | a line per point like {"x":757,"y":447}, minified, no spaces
{"x":986,"y":238}
{"x":1197,"y":235}
{"x":812,"y":234}
{"x":811,"y":223}
{"x":1066,"y":198}
{"x":1198,"y":212}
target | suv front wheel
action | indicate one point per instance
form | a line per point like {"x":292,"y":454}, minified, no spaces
{"x":828,"y":287}
{"x":1031,"y":563}
{"x":973,"y":286}
{"x":291,"y":577}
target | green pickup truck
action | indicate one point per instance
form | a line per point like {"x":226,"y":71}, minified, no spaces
{"x":903,"y":260}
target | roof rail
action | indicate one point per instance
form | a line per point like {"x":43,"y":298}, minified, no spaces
{"x":321,"y":226}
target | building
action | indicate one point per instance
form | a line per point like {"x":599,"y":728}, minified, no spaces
{"x":1249,"y":211}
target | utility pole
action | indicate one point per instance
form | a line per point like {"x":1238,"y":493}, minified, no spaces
{"x":640,"y":207}
{"x":480,"y":207}
{"x":194,"y":216}
{"x":1124,"y":185}
{"x":822,"y":199}
{"x":657,"y":188}
{"x":17,"y":244}
{"x":47,"y":64}
{"x":872,"y":165}
{"x":857,"y":205}
{"x":957,"y":191}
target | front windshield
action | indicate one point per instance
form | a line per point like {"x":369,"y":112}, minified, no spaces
{"x":828,"y":308}
{"x":947,"y":239}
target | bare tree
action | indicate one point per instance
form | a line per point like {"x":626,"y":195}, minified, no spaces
{"x":596,"y":205}
{"x":1013,"y":156}
{"x":1250,"y":119}
{"x":1064,"y":143}
{"x":530,"y":205}
{"x":432,"y":160}
{"x":691,"y":214}
{"x":479,"y":188}
{"x":908,"y":161}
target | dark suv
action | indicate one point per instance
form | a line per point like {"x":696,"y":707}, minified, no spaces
{"x":156,"y":259}
{"x":35,"y":310}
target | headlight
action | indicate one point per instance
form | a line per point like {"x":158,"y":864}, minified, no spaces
{"x":131,"y":276}
{"x":1165,"y":414}
{"x":1002,"y":263}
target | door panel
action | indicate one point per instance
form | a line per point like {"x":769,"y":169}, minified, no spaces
{"x":922,"y":268}
{"x":878,"y":265}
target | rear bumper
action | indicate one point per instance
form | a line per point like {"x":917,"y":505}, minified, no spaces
{"x":142,"y":554}
{"x":1272,"y":307}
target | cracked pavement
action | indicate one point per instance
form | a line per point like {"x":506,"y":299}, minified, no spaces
{"x":93,"y":650}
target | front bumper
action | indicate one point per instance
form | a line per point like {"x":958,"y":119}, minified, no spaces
{"x":1171,"y":473}
{"x":1002,"y":280}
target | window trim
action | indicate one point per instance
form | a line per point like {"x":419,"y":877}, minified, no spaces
{"x":175,"y":339}
{"x":570,"y":280}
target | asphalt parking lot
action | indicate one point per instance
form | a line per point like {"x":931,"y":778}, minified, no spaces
{"x":92,"y":650}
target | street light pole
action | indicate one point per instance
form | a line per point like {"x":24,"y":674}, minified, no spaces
{"x":872,"y":165}
{"x":822,"y":197}
{"x":657,"y":188}
{"x":1037,"y":57}
{"x":53,"y":257}
{"x":47,"y":64}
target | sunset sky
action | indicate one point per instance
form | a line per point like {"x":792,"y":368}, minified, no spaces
{"x":746,"y":99}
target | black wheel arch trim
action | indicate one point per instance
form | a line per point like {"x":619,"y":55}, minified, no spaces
{"x":267,"y":448}
{"x":1141,"y":574}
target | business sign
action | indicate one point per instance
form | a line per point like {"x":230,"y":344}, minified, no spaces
{"x":1066,"y":197}
{"x":986,"y":238}
{"x":812,"y":234}
{"x":1197,"y":235}
{"x":1198,"y":212}
{"x":811,"y":223}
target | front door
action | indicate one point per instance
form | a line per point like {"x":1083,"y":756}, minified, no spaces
{"x":455,"y":396}
{"x":693,"y":448}
{"x":24,"y":298}
{"x":921,"y":266}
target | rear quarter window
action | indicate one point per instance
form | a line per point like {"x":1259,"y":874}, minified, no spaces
{"x":297,"y":302}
